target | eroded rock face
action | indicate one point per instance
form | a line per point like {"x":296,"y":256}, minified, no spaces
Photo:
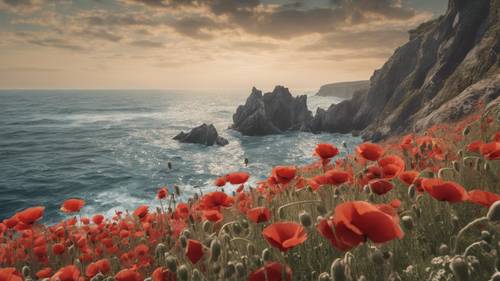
{"x":203,"y":134}
{"x":272,"y":113}
{"x":447,"y":62}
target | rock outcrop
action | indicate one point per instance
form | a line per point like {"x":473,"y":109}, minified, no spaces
{"x":343,"y":90}
{"x":448,"y":63}
{"x":203,"y":134}
{"x":272,"y":113}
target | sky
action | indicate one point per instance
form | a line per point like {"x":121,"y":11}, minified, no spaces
{"x":200,"y":44}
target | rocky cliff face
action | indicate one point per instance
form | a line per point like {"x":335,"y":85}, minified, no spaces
{"x":448,"y":62}
{"x":203,"y":134}
{"x":343,"y":90}
{"x":272,"y":113}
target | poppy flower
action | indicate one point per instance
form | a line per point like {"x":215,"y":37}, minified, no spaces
{"x":475,"y":146}
{"x":220,"y":182}
{"x":194,"y":250}
{"x":98,"y":219}
{"x":272,"y":271}
{"x":370,"y":151}
{"x":237,"y":178}
{"x":182,"y":210}
{"x":483,"y":198}
{"x":213,"y":215}
{"x":10,"y":274}
{"x":491,"y":150}
{"x":391,"y":166}
{"x":406,"y":142}
{"x":380,"y":186}
{"x":11,"y":222}
{"x":496,"y":136}
{"x":216,"y":200}
{"x":449,"y":191}
{"x":68,"y":273}
{"x":58,"y":249}
{"x":162,"y":193}
{"x":128,"y":275}
{"x":72,"y":205}
{"x":31,"y":215}
{"x":408,"y":177}
{"x":284,"y":235}
{"x":326,"y":151}
{"x":163,"y":274}
{"x":141,"y":211}
{"x":284,"y":174}
{"x":259,"y":214}
{"x":337,"y":177}
{"x":43,"y":273}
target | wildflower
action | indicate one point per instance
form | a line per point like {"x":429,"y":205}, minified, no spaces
{"x":237,"y":178}
{"x":326,"y":151}
{"x":370,"y":151}
{"x":45,"y":272}
{"x":391,"y":166}
{"x":491,"y":150}
{"x":58,"y":249}
{"x":380,"y":186}
{"x":284,"y":174}
{"x":31,"y":215}
{"x":72,"y":205}
{"x":128,"y":275}
{"x":272,"y":271}
{"x":98,"y":219}
{"x":141,"y":211}
{"x":216,"y":200}
{"x":220,"y":182}
{"x":408,"y":177}
{"x":449,"y":191}
{"x":194,"y":250}
{"x":163,"y":274}
{"x":337,"y":177}
{"x":285,"y":235}
{"x":475,"y":146}
{"x":162,"y":193}
{"x":483,"y":198}
{"x":259,"y":214}
{"x":68,"y":273}
{"x":10,"y":274}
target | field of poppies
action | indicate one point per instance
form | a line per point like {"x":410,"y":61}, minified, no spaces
{"x":420,"y":207}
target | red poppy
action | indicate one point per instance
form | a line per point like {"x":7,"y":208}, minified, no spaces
{"x":163,"y":274}
{"x":194,"y":250}
{"x":68,"y":273}
{"x":182,"y":210}
{"x":141,"y":211}
{"x":284,"y":174}
{"x":380,"y":186}
{"x":43,"y":273}
{"x":354,"y":221}
{"x":370,"y":151}
{"x":31,"y":215}
{"x":213,"y":215}
{"x":11,"y":222}
{"x":10,"y":274}
{"x":326,"y":150}
{"x":272,"y":271}
{"x":237,"y":178}
{"x":406,"y":142}
{"x":259,"y":214}
{"x":491,"y":150}
{"x":285,"y":235}
{"x":445,"y":190}
{"x":216,"y":200}
{"x":391,"y":166}
{"x":98,"y":219}
{"x":337,"y":177}
{"x":496,"y":136}
{"x":128,"y":275}
{"x":483,"y":198}
{"x":475,"y":146}
{"x":72,"y":205}
{"x":408,"y":177}
{"x":58,"y":249}
{"x":220,"y":182}
{"x":162,"y":193}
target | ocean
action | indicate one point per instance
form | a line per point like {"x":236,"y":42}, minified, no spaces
{"x":111,"y":147}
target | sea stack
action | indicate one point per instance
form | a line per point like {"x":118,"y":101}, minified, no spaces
{"x":203,"y":134}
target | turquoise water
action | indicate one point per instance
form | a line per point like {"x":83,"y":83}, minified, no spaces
{"x":111,"y":148}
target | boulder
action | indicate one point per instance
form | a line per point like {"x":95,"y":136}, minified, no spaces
{"x":203,"y":134}
{"x":272,"y":113}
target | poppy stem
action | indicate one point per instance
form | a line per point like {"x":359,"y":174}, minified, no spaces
{"x":280,"y":209}
{"x":470,"y":247}
{"x":462,"y":231}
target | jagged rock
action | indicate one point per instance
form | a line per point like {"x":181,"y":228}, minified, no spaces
{"x":203,"y":134}
{"x":272,"y":113}
{"x":427,"y":79}
{"x":343,"y":90}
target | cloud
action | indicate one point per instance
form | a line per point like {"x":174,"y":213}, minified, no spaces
{"x":57,"y":43}
{"x":147,"y":44}
{"x":28,"y":69}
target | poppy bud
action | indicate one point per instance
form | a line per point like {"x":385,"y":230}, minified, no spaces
{"x":486,"y":167}
{"x":281,"y":213}
{"x":183,"y":273}
{"x":478,"y":164}
{"x":266,"y":255}
{"x":160,"y":251}
{"x":244,"y":224}
{"x":215,"y":249}
{"x":460,"y":153}
{"x":183,"y":241}
{"x":486,"y":236}
{"x":377,"y":257}
{"x":99,"y":277}
{"x":362,"y":278}
{"x":412,"y":191}
{"x":305,"y":219}
{"x":177,"y":190}
{"x":337,"y":270}
{"x":229,"y":270}
{"x":466,"y":131}
{"x":197,"y":276}
{"x":78,"y":264}
{"x":26,"y":271}
{"x":321,"y":209}
{"x":115,"y":264}
{"x":171,"y":262}
{"x":494,"y":212}
{"x":495,"y":276}
{"x":324,"y":277}
{"x":207,"y":227}
{"x":71,"y":250}
{"x":236,"y":228}
{"x":250,"y":249}
{"x":407,"y":222}
{"x":240,"y":270}
{"x":186,"y":233}
{"x":455,"y":165}
{"x":367,"y":189}
{"x":459,"y":268}
{"x":394,"y":276}
{"x":444,"y":250}
{"x":216,"y":268}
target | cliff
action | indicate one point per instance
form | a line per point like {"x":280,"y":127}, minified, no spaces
{"x":343,"y":90}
